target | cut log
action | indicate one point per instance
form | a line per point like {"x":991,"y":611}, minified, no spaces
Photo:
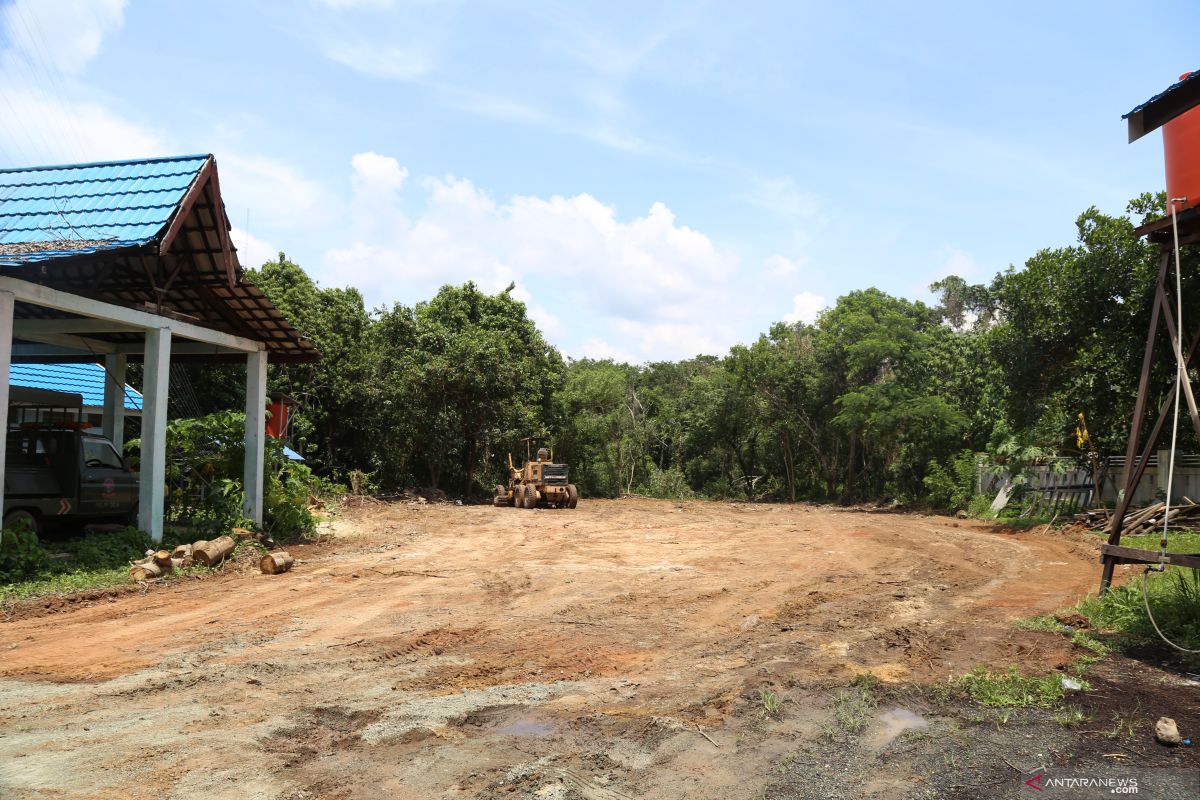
{"x":148,"y":569}
{"x":182,"y":556}
{"x":275,"y":563}
{"x":214,"y":552}
{"x":179,"y":563}
{"x":162,"y":558}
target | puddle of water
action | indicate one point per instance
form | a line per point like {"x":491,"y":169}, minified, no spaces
{"x":891,"y":724}
{"x":527,"y":728}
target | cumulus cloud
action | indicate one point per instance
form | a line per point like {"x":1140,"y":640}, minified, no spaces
{"x":643,"y":289}
{"x":806,"y":306}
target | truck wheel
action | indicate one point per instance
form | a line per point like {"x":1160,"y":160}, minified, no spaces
{"x":572,"y":496}
{"x":531,"y":497}
{"x":21,"y":520}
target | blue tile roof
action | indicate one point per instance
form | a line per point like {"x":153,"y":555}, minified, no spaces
{"x":86,"y":379}
{"x":91,"y":207}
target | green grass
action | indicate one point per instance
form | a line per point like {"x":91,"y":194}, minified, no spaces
{"x":1011,"y":689}
{"x":1045,"y":623}
{"x":94,"y":561}
{"x":853,"y":709}
{"x":1174,"y":600}
{"x":1177,"y":541}
{"x":1071,"y":716}
{"x":78,"y":580}
{"x":770,"y":703}
{"x":62,"y":583}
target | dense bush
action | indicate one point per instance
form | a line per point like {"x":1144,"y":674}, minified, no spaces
{"x":21,"y":556}
{"x":205,"y":497}
{"x":952,"y":486}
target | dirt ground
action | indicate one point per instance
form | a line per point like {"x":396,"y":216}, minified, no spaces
{"x":627,"y":649}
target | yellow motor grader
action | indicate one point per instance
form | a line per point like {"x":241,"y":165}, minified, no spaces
{"x":540,"y":482}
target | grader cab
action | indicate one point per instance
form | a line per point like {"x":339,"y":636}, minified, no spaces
{"x":539,"y":483}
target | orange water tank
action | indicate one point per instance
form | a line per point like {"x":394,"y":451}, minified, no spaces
{"x":1181,"y":143}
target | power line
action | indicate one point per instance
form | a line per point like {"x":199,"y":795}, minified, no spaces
{"x":44,"y":66}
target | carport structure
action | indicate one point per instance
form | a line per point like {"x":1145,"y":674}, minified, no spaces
{"x":132,"y":260}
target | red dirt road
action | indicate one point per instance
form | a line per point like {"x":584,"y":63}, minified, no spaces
{"x":437,"y":651}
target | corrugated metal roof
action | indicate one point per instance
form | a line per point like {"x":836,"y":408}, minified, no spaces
{"x":84,"y":208}
{"x":86,"y":379}
{"x":1193,"y":76}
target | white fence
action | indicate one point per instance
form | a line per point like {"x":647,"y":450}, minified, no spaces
{"x":1062,"y":485}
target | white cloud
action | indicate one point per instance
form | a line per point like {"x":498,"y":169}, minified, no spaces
{"x":252,"y":251}
{"x":806,"y":306}
{"x":958,"y":262}
{"x":644,"y":289}
{"x":781,"y":267}
{"x":47,"y":129}
{"x":274,"y":192}
{"x":781,"y":196}
{"x":389,"y":61}
{"x":49,"y":117}
{"x":57,"y":35}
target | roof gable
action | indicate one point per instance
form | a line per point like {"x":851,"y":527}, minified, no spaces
{"x":149,"y":234}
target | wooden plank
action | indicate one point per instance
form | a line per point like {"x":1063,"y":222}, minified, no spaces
{"x":1121,"y":554}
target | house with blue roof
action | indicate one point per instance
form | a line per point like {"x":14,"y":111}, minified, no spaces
{"x":85,"y":380}
{"x":107,"y":263}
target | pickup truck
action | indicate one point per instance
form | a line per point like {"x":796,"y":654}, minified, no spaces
{"x":59,"y":475}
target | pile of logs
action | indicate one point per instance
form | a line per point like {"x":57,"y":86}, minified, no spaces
{"x":158,"y":563}
{"x":1143,"y":520}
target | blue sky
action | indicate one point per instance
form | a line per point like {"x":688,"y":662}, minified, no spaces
{"x":659,"y":180}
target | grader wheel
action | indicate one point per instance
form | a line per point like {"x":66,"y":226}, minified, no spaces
{"x":531,"y":497}
{"x":572,"y":496}
{"x":499,"y":497}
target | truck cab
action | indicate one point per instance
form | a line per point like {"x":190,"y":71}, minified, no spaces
{"x":58,"y":473}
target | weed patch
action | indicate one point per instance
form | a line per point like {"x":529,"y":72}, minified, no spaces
{"x":1011,"y":689}
{"x":853,"y":709}
{"x":769,"y":703}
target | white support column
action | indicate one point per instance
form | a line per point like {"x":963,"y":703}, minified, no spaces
{"x":7,"y":301}
{"x":152,"y":481}
{"x":256,"y":423}
{"x":114,"y":399}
